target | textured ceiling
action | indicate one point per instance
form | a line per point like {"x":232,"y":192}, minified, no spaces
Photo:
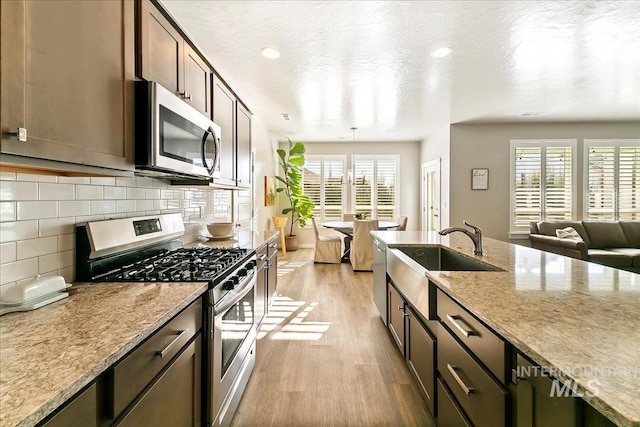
{"x":368,"y":64}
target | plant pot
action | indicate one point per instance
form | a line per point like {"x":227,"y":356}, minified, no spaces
{"x":292,"y":243}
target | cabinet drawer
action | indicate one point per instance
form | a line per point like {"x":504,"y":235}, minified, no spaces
{"x":449,"y":413}
{"x":484,"y":400}
{"x":484,"y":344}
{"x":261,"y":254}
{"x":131,"y":375}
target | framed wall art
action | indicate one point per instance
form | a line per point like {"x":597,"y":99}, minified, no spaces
{"x":480,"y":179}
{"x":269,"y":191}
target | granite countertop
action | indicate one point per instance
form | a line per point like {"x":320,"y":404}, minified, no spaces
{"x":242,"y":239}
{"x":49,"y":354}
{"x":582,"y":318}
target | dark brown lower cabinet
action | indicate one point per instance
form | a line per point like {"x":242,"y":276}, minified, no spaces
{"x":82,"y":411}
{"x":396,"y":316}
{"x":175,"y":398}
{"x":449,"y":412}
{"x":421,"y":357}
{"x":272,"y":271}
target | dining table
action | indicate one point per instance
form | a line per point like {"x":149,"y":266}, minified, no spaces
{"x":346,"y":228}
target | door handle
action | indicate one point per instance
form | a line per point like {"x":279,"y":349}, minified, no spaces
{"x":163,"y":352}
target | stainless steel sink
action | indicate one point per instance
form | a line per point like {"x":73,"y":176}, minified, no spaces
{"x":436,"y":258}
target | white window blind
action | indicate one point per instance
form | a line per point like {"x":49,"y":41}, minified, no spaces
{"x":612,"y":179}
{"x":542,"y":182}
{"x":375,"y":186}
{"x":322,"y":181}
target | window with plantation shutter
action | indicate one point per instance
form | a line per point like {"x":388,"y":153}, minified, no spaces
{"x":375,"y":185}
{"x":612,"y":179}
{"x":542,"y":182}
{"x":322,"y":181}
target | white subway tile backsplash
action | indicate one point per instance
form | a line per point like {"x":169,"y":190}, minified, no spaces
{"x":144,"y":181}
{"x":75,"y":208}
{"x":7,"y":176}
{"x":135,"y":193}
{"x":125,"y":205}
{"x":18,"y":230}
{"x":54,"y":191}
{"x":125,"y":182}
{"x":56,"y":226}
{"x":159,"y":204}
{"x":36,"y":178}
{"x":7,"y":252}
{"x":7,"y":211}
{"x":86,"y":218}
{"x":100,"y":180}
{"x":66,"y":242}
{"x":68,"y":273}
{"x":144,"y":205}
{"x":53,"y":262}
{"x":36,"y":247}
{"x":89,"y":192}
{"x":114,"y":193}
{"x":103,"y":206}
{"x":152,"y":193}
{"x":36,"y":210}
{"x":13,"y":271}
{"x":74,"y":180}
{"x":16,"y":190}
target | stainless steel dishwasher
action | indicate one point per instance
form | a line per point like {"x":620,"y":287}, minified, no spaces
{"x":380,"y":278}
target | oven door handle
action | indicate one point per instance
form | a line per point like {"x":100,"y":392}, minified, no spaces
{"x":233,"y":297}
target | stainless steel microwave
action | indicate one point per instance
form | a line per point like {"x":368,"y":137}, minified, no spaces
{"x":173,"y":138}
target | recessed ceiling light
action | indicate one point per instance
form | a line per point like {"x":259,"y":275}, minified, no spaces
{"x":532,"y":114}
{"x":269,"y":52}
{"x":441,"y":52}
{"x":285,"y":116}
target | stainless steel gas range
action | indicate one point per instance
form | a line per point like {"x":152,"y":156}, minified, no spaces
{"x":149,"y":249}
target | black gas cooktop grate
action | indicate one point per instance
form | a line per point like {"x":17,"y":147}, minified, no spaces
{"x":184,"y":265}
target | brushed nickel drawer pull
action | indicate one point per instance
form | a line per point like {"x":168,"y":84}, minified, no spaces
{"x":454,"y":321}
{"x":163,"y":352}
{"x":400,"y":307}
{"x":467,"y":390}
{"x":261,"y":257}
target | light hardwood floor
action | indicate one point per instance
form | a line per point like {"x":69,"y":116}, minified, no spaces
{"x":324,"y":357}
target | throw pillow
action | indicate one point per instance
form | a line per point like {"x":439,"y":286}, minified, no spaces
{"x":568,"y":233}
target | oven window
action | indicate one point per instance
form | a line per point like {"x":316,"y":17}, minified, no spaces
{"x":180,"y":139}
{"x":236,"y":325}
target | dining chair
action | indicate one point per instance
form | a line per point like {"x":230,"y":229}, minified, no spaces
{"x":402,"y":220}
{"x":348,"y":216}
{"x":328,"y":249}
{"x":362,"y":245}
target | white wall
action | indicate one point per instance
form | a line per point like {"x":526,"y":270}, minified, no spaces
{"x":487,"y":146}
{"x":264,"y":164}
{"x":435,"y":147}
{"x":409,"y":177}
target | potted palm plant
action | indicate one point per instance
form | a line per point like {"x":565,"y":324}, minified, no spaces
{"x":300,"y":205}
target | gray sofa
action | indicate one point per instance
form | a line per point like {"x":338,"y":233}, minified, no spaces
{"x":612,"y":243}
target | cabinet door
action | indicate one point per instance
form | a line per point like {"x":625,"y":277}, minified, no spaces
{"x":67,"y":77}
{"x":421,"y":358}
{"x":396,"y":317}
{"x":175,"y":398}
{"x":197,"y":81}
{"x":272,"y":277}
{"x":261,"y":294}
{"x":161,"y":49}
{"x":537,"y":406}
{"x":243,"y":146}
{"x":224,"y":111}
{"x":82,"y":411}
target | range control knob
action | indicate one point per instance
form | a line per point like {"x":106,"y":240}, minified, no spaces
{"x":242,"y":272}
{"x":251,"y":264}
{"x":235,"y":280}
{"x":228,"y":285}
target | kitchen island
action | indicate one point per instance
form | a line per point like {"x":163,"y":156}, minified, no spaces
{"x":582,"y":319}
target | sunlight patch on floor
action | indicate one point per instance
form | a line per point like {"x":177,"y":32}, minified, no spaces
{"x":286,"y":267}
{"x":286,"y":321}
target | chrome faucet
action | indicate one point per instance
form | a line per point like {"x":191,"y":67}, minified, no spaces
{"x":475,"y":236}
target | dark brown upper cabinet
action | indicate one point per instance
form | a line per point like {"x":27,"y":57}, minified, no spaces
{"x":224,"y":115}
{"x":67,"y":78}
{"x":243,"y":146}
{"x":166,"y":57}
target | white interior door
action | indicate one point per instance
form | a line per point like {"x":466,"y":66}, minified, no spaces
{"x":431,"y":195}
